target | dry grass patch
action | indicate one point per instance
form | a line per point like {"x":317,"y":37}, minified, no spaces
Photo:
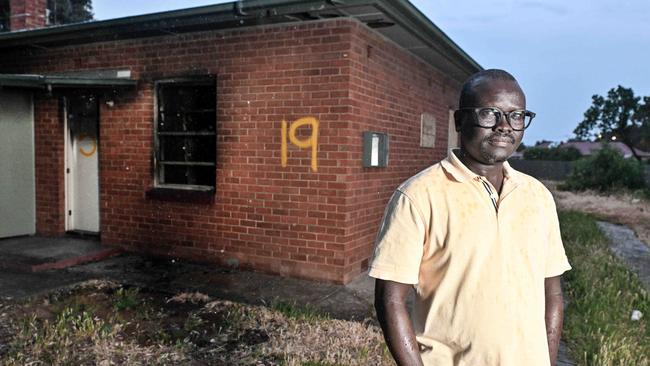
{"x":621,"y":207}
{"x":101,"y":323}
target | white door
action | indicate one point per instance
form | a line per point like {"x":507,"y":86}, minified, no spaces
{"x":17,"y":187}
{"x":82,"y":163}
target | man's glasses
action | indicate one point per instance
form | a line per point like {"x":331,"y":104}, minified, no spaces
{"x":488,"y":117}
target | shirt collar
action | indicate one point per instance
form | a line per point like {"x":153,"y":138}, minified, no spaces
{"x":461,"y":173}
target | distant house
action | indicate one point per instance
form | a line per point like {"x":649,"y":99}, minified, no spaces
{"x":587,"y":148}
{"x":253,"y":133}
{"x":544,"y":144}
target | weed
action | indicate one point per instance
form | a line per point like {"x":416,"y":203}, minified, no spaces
{"x":225,"y":315}
{"x":161,"y":336}
{"x":192,"y":323}
{"x":126,"y":299}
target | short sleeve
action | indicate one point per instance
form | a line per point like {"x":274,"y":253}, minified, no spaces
{"x":556,"y":260}
{"x":400,"y":242}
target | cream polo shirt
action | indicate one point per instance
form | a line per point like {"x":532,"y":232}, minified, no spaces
{"x":478,"y":261}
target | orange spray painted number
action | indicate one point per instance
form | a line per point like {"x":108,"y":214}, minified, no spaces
{"x":311,"y":141}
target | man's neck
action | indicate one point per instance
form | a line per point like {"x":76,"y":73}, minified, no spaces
{"x":492,"y":172}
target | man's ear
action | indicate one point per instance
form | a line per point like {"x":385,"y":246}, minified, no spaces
{"x":458,"y":120}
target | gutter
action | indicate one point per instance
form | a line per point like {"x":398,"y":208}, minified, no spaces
{"x":241,"y":14}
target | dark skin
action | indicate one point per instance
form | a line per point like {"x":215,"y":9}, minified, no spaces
{"x":483,"y":151}
{"x":390,"y":304}
{"x":554,"y":315}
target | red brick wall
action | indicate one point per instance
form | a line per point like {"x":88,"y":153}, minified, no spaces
{"x":27,"y":14}
{"x":48,"y":146}
{"x":289,"y":221}
{"x":390,"y":89}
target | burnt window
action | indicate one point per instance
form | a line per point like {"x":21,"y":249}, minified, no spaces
{"x":185,"y":136}
{"x":4,"y":15}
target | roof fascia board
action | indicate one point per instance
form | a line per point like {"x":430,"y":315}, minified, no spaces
{"x":412,"y":19}
{"x":106,"y":28}
{"x":164,"y":22}
{"x":72,"y":81}
{"x":22,"y":81}
{"x":228,"y":15}
{"x":45,"y":81}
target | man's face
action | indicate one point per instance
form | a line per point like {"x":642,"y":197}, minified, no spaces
{"x":491,"y":145}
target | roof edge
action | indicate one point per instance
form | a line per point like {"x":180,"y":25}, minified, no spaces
{"x":230,"y":16}
{"x":413,"y":18}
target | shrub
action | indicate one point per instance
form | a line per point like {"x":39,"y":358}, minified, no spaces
{"x":553,"y":153}
{"x":606,"y":170}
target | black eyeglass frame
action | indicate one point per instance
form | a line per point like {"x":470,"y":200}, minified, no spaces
{"x":500,"y":113}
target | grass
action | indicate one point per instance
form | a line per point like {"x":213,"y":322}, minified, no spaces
{"x":641,"y":194}
{"x":602,"y":294}
{"x":293,"y":311}
{"x":644,"y":194}
{"x":53,"y":342}
{"x":97,"y":324}
{"x":126,"y":299}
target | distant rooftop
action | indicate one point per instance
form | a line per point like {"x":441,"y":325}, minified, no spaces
{"x":587,"y":148}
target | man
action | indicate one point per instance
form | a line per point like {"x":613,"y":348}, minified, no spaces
{"x":479,"y":242}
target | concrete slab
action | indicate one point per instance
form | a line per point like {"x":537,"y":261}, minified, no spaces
{"x":20,"y":285}
{"x":36,"y":254}
{"x":173,"y":276}
{"x":626,"y":246}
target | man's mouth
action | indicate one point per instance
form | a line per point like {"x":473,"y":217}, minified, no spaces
{"x":501,"y":140}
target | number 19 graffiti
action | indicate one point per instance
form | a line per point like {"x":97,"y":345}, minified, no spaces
{"x":312,"y":141}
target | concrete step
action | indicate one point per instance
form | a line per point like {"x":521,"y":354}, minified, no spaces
{"x":36,"y":254}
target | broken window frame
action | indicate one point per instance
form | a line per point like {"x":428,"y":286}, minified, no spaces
{"x":208,"y":83}
{"x":5,"y":16}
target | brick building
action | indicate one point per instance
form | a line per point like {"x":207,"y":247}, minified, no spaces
{"x":267,"y":134}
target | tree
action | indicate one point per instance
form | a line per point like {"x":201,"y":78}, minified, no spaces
{"x":521,"y":147}
{"x":70,"y":11}
{"x":617,"y":117}
{"x":641,"y":135}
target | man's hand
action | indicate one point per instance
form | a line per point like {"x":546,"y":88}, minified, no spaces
{"x":390,"y":303}
{"x":554,"y":315}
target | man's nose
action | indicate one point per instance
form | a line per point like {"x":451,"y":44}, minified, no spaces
{"x":502,"y":123}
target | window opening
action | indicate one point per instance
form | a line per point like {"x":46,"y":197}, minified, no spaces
{"x":186,"y":134}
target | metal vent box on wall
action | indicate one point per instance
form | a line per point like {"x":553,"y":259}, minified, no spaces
{"x":375,"y":149}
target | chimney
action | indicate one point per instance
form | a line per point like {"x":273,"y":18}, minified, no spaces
{"x":27,"y":14}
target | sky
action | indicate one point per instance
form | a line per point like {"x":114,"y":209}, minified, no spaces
{"x":561,"y":52}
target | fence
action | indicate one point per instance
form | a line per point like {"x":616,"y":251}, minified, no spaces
{"x":552,"y":170}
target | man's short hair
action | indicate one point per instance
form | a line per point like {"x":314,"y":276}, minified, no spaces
{"x":467,"y":92}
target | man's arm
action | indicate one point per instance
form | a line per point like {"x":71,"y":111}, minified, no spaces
{"x":554,"y":315}
{"x":390,"y":303}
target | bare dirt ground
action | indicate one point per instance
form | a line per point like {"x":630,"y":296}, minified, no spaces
{"x":621,"y":208}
